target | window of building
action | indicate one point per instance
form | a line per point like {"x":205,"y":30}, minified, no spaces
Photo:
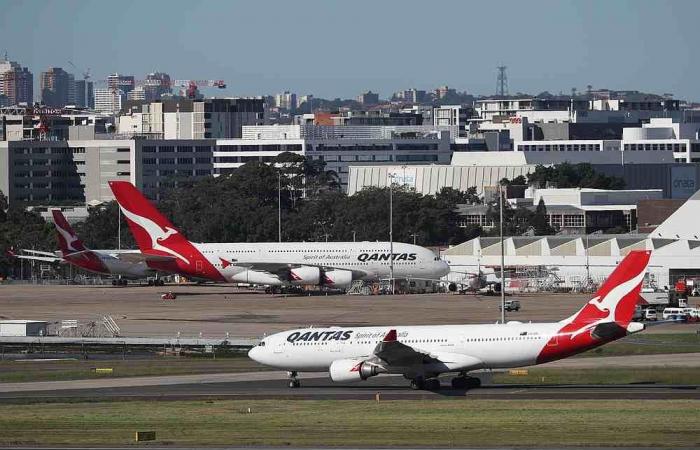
{"x":123,"y":150}
{"x":123,"y":174}
{"x":166,"y":161}
{"x":202,"y":172}
{"x":201,"y":160}
{"x":148,"y":149}
{"x":123,"y":161}
{"x":555,"y":220}
{"x":166,"y":149}
{"x":203,"y":149}
{"x":183,"y":149}
{"x":184,"y":160}
{"x":149,"y":160}
{"x":573,"y":220}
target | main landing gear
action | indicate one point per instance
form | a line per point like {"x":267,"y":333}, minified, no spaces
{"x":119,"y":282}
{"x":293,"y":380}
{"x":420,"y":383}
{"x":465,"y":382}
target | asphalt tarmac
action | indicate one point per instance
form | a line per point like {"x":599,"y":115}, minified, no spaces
{"x":317,"y":386}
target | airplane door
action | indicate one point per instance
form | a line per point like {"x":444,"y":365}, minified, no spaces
{"x":198,"y":266}
{"x":279,"y":348}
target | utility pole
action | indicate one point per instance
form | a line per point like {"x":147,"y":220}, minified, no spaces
{"x":353,"y":235}
{"x":503,"y":257}
{"x":391,"y":232}
{"x":279,"y":206}
{"x":119,"y":227}
{"x":414,"y":238}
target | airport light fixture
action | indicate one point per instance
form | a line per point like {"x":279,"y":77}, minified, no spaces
{"x":391,"y":232}
{"x":503,"y":256}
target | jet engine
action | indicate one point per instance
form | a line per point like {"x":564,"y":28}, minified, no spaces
{"x":337,"y":278}
{"x":343,"y":370}
{"x":305,"y":275}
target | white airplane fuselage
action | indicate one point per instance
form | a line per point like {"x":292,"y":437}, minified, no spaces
{"x":236,"y":262}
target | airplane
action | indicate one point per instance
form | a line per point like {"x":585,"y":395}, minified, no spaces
{"x":122,"y":264}
{"x":330,"y":264}
{"x":422,"y":353}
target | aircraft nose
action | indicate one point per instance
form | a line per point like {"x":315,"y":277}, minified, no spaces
{"x":444,"y":268}
{"x":254,"y":353}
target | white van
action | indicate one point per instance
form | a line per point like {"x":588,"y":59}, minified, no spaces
{"x":650,"y":314}
{"x":674,"y":314}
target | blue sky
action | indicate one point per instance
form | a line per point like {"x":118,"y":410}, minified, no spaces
{"x":338,"y":49}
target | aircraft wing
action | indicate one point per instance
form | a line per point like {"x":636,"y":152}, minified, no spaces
{"x":52,"y":259}
{"x":395,"y":353}
{"x":38,"y":252}
{"x":392,"y":353}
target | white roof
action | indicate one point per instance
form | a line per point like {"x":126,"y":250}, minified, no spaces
{"x":19,"y":321}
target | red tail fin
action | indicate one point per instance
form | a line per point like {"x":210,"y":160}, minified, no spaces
{"x":152,"y":231}
{"x":155,"y":235}
{"x":619,"y":294}
{"x":68,"y":242}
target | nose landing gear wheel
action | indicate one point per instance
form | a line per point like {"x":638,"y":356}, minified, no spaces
{"x":293,"y":380}
{"x":417,"y":384}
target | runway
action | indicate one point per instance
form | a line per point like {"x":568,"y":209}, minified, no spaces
{"x":272,"y":385}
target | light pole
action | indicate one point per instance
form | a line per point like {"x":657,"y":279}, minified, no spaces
{"x":279,"y":206}
{"x":414,"y":238}
{"x":391,"y":232}
{"x":353,"y":235}
{"x":503,"y":257}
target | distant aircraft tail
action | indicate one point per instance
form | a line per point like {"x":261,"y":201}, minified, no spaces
{"x":155,"y":235}
{"x":68,"y":241}
{"x":72,"y":247}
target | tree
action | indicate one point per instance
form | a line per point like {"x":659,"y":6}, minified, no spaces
{"x":452,"y":195}
{"x":539,"y":221}
{"x":101,"y":229}
{"x":568,"y":175}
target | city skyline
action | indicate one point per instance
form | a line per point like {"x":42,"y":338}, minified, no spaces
{"x":340,"y":50}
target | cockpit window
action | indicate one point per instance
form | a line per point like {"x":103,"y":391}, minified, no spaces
{"x":262,"y":344}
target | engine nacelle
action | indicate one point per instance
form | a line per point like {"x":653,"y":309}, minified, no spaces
{"x":305,"y":275}
{"x":343,"y":370}
{"x":337,"y":278}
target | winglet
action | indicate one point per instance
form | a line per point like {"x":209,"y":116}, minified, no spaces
{"x":390,"y":336}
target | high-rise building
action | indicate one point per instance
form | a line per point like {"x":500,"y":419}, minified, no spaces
{"x":109,"y":100}
{"x":16,"y":83}
{"x":156,"y":85}
{"x":124,"y":83}
{"x":286,"y":100}
{"x":84,"y":94}
{"x":368,"y":98}
{"x":56,"y":87}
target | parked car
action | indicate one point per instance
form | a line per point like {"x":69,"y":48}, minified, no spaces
{"x":511,"y":305}
{"x":650,"y":314}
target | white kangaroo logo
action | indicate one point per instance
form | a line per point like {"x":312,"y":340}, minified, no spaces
{"x":610,"y":301}
{"x":156,"y":233}
{"x":68,"y":237}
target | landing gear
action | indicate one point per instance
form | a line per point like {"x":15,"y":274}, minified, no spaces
{"x":119,"y":282}
{"x":156,"y":282}
{"x":465,"y":382}
{"x":293,"y":380}
{"x":420,"y":383}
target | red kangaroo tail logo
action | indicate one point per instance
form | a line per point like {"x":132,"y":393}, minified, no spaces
{"x":150,"y":228}
{"x":617,"y":297}
{"x":68,"y":242}
{"x":154,"y":234}
{"x":614,"y":304}
{"x":72,"y":247}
